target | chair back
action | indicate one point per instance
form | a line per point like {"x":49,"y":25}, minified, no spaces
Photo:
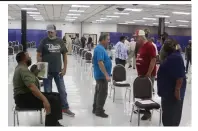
{"x":80,"y":51}
{"x":88,"y":56}
{"x":10,"y":51}
{"x":14,"y":43}
{"x":119,"y":73}
{"x":16,"y":49}
{"x":20,"y":47}
{"x":83,"y":53}
{"x":142,"y":88}
{"x":10,"y":43}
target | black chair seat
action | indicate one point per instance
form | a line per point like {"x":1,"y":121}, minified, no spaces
{"x":150,"y":106}
{"x":27,"y":109}
{"x":121,"y":84}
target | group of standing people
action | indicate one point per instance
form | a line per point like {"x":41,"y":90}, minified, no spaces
{"x":171,"y":78}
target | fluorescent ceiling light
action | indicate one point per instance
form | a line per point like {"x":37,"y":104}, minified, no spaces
{"x":153,"y":4}
{"x":167,"y":22}
{"x":139,"y":20}
{"x":28,"y":8}
{"x":184,"y":25}
{"x":172,"y":26}
{"x":130,"y":22}
{"x":100,"y":20}
{"x":35,"y":13}
{"x":155,"y":23}
{"x":148,"y":24}
{"x":112,"y":16}
{"x":83,"y":6}
{"x":29,"y":4}
{"x":181,"y":13}
{"x":149,"y":18}
{"x":38,"y":19}
{"x":137,"y":10}
{"x":76,"y":11}
{"x":73,"y":14}
{"x":120,"y":13}
{"x":182,"y":21}
{"x":71,"y":17}
{"x":105,"y":18}
{"x":165,"y":16}
{"x":123,"y":23}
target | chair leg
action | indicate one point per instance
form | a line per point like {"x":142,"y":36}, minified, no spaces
{"x":14,"y":117}
{"x":41,"y":117}
{"x":17,"y":118}
{"x":130,"y":96}
{"x":151,"y":115}
{"x":138,"y":116}
{"x":113,"y":94}
{"x":110,"y":91}
{"x":125,"y":93}
{"x":160,"y":120}
{"x":132,"y":113}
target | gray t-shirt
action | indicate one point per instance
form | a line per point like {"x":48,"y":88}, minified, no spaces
{"x":51,"y":51}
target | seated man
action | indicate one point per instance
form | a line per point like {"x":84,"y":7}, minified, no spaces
{"x":28,"y":95}
{"x":34,"y":69}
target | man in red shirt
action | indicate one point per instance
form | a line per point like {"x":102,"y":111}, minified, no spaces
{"x":145,"y":61}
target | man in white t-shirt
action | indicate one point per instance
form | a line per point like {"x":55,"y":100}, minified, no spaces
{"x":131,"y":52}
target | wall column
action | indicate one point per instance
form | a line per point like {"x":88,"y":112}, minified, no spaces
{"x":23,"y":29}
{"x":161,"y":27}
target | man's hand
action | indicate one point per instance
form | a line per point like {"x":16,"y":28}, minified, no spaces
{"x":107,"y":78}
{"x":47,"y":107}
{"x":177,"y":94}
{"x":63,"y":72}
{"x":148,"y":75}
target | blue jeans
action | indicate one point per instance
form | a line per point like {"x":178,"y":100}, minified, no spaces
{"x":60,"y":86}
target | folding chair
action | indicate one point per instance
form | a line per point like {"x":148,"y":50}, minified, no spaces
{"x":119,"y":80}
{"x":20,"y":47}
{"x":83,"y":57}
{"x":88,"y":59}
{"x":80,"y":54}
{"x":16,"y":49}
{"x":142,"y":89}
{"x":17,"y":109}
{"x":11,"y":52}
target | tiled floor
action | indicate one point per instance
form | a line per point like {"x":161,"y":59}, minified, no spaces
{"x":80,"y":89}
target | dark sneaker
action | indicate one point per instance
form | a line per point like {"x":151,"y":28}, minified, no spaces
{"x":58,"y":124}
{"x":134,"y":68}
{"x":68,"y":113}
{"x":103,"y":115}
{"x":129,"y":66}
{"x":146,"y":116}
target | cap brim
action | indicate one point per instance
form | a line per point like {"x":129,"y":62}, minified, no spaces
{"x":50,"y":31}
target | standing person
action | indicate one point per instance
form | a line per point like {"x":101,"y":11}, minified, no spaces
{"x":50,"y":50}
{"x":83,"y":40}
{"x":146,"y":61}
{"x":121,"y":52}
{"x":89,"y":43}
{"x":77,"y":40}
{"x":27,"y":93}
{"x":102,"y":71}
{"x":188,"y":55}
{"x":69,"y":45}
{"x":131,"y":53}
{"x":171,"y":83}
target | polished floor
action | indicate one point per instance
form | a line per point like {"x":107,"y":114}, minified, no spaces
{"x":80,"y":88}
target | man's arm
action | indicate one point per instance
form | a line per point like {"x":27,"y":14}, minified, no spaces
{"x":65,"y":61}
{"x":38,"y":57}
{"x":152,"y":53}
{"x":64,"y":53}
{"x":151,"y":66}
{"x":102,"y":68}
{"x":39,"y":52}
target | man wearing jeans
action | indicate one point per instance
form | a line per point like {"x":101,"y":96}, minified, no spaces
{"x":102,"y":71}
{"x":50,"y":50}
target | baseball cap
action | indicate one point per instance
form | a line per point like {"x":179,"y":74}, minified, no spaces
{"x":51,"y":28}
{"x":139,"y":33}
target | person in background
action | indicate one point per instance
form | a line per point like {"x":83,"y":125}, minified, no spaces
{"x":188,"y":55}
{"x":102,"y":71}
{"x":64,"y":39}
{"x":50,"y":50}
{"x":126,"y":42}
{"x":83,"y":40}
{"x":27,"y":93}
{"x":121,"y":54}
{"x":69,"y":45}
{"x":159,"y":45}
{"x":171,"y":84}
{"x":77,"y":40}
{"x":89,"y":43}
{"x":131,"y":53}
{"x":163,"y":54}
{"x":145,"y":61}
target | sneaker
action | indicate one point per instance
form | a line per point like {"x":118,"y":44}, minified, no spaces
{"x":103,"y":115}
{"x":134,"y":68}
{"x":68,"y":112}
{"x":146,"y":116}
{"x":58,"y":124}
{"x":129,"y":66}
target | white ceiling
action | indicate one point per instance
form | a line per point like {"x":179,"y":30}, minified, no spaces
{"x":58,"y":12}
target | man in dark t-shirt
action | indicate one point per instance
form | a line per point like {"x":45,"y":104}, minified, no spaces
{"x":50,"y":50}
